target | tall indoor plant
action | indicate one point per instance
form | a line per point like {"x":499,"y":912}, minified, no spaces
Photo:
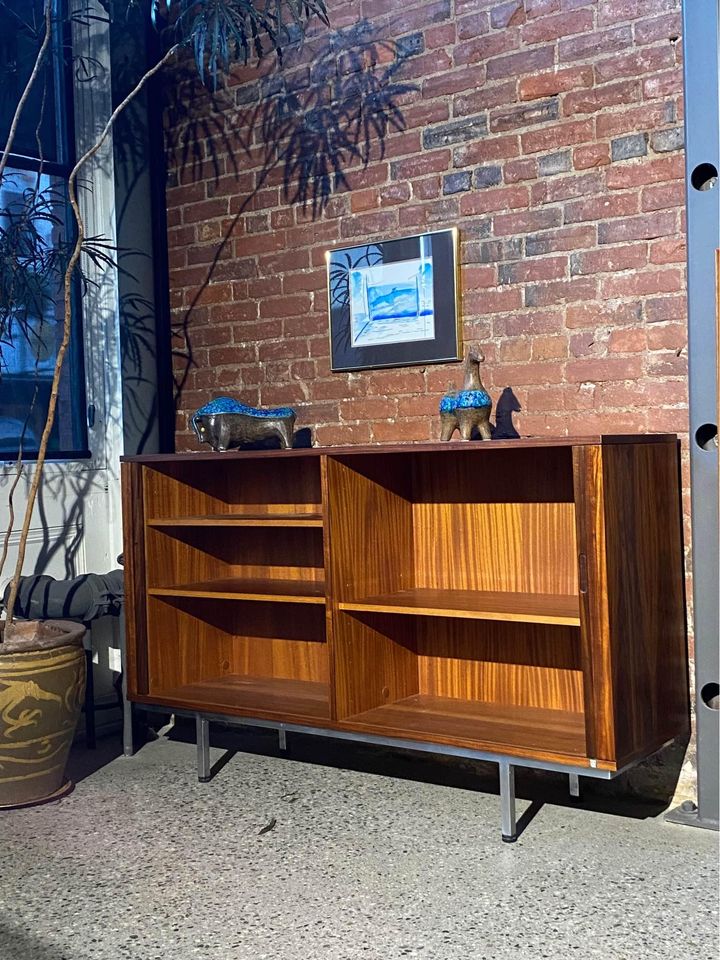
{"x":37,"y":717}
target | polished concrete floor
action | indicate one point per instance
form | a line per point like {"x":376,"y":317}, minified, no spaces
{"x":322,"y":854}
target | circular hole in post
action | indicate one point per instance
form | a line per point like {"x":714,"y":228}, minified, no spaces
{"x":710,"y":695}
{"x":704,"y":176}
{"x":706,"y":436}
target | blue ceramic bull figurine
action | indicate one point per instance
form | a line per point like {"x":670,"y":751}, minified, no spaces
{"x":225,"y":423}
{"x":467,"y":409}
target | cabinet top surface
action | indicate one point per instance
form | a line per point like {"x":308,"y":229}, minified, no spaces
{"x":452,"y":446}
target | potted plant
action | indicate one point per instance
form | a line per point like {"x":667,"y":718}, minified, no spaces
{"x":42,"y":664}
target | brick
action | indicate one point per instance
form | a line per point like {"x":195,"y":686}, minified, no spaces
{"x":510,"y":14}
{"x":480,"y":49}
{"x":495,"y":148}
{"x":594,"y":370}
{"x":663,"y":141}
{"x":439,"y":36}
{"x":625,"y":148}
{"x":644,"y":227}
{"x":548,"y":28}
{"x":610,"y":260}
{"x":445,"y":84}
{"x":649,"y":115}
{"x":668,"y":251}
{"x":660,"y":196}
{"x":614,"y":11}
{"x":554,"y":241}
{"x":492,"y":251}
{"x":479,"y":278}
{"x":484,"y":98}
{"x":591,"y":155}
{"x":634,"y":64}
{"x":558,"y":81}
{"x":663,"y":84}
{"x":589,"y":45}
{"x":516,"y":171}
{"x":458,"y":131}
{"x":558,"y":135}
{"x":601,"y":208}
{"x":411,"y":45}
{"x":418,"y":166}
{"x":489,"y":201}
{"x":642,"y":284}
{"x":516,"y":64}
{"x":666,"y":27}
{"x":457,"y":182}
{"x":569,"y":188}
{"x":487,"y":177}
{"x":427,"y":189}
{"x":555,"y":163}
{"x":647,"y":171}
{"x":508,"y":224}
{"x":493,"y":301}
{"x":600,"y":98}
{"x":550,"y":348}
{"x":525,"y":271}
{"x":667,"y":336}
{"x":513,"y":118}
{"x":439,"y":211}
{"x":559,"y":291}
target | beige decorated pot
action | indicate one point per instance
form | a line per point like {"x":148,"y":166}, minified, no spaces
{"x":42,"y":688}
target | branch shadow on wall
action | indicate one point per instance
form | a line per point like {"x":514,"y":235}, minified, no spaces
{"x":330,"y":108}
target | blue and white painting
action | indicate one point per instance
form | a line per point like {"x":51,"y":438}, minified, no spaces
{"x":392,"y":302}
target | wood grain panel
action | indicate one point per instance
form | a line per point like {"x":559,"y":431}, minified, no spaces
{"x":268,"y":698}
{"x":370,"y":531}
{"x":594,"y":614}
{"x":184,"y":487}
{"x":181,"y":554}
{"x":474,"y":605}
{"x":645,"y":596}
{"x":544,"y":733}
{"x":209,"y":640}
{"x":522,"y":547}
{"x":277,"y":591}
{"x":136,"y":635}
{"x":501,"y":663}
{"x":375,"y":660}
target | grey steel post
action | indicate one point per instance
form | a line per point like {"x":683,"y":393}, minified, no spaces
{"x":507,"y":801}
{"x":574,"y":785}
{"x":202,"y":729}
{"x":702,"y":159}
{"x":282,"y":737}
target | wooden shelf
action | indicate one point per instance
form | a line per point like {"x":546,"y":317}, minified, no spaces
{"x":499,"y":726}
{"x":475,"y":605}
{"x":255,"y":697}
{"x":242,"y":520}
{"x":279,"y":591}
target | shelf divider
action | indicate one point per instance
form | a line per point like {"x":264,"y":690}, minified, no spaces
{"x":558,"y":609}
{"x":241,"y":520}
{"x":279,"y":591}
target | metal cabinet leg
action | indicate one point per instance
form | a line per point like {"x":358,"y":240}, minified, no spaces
{"x":507,"y":801}
{"x":574,"y":785}
{"x":202,"y":727}
{"x":282,"y":738}
{"x":127,"y":707}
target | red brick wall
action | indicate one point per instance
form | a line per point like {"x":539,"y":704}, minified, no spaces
{"x":550,"y":133}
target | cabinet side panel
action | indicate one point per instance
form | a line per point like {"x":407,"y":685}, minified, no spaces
{"x":594,"y":615}
{"x":370,"y":531}
{"x":136,"y":638}
{"x":645,"y":595}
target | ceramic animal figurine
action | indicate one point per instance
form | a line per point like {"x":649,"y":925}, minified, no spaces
{"x":468,"y":408}
{"x":225,"y":423}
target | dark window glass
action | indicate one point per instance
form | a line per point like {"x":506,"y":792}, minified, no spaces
{"x":35,"y":231}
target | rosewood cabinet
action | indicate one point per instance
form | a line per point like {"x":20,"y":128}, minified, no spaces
{"x":520,"y":600}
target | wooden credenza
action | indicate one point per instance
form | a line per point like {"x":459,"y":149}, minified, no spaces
{"x":521,"y":601}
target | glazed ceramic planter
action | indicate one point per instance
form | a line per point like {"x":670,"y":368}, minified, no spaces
{"x":42,"y":687}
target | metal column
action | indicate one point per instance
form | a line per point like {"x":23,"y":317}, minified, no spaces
{"x":702,"y":143}
{"x":202,"y":729}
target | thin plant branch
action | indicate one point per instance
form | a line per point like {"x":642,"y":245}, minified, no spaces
{"x":67,"y":325}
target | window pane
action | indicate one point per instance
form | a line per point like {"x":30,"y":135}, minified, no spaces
{"x":21,"y":33}
{"x":32,"y":227}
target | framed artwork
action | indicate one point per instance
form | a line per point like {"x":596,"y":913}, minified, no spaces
{"x":394,"y":303}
